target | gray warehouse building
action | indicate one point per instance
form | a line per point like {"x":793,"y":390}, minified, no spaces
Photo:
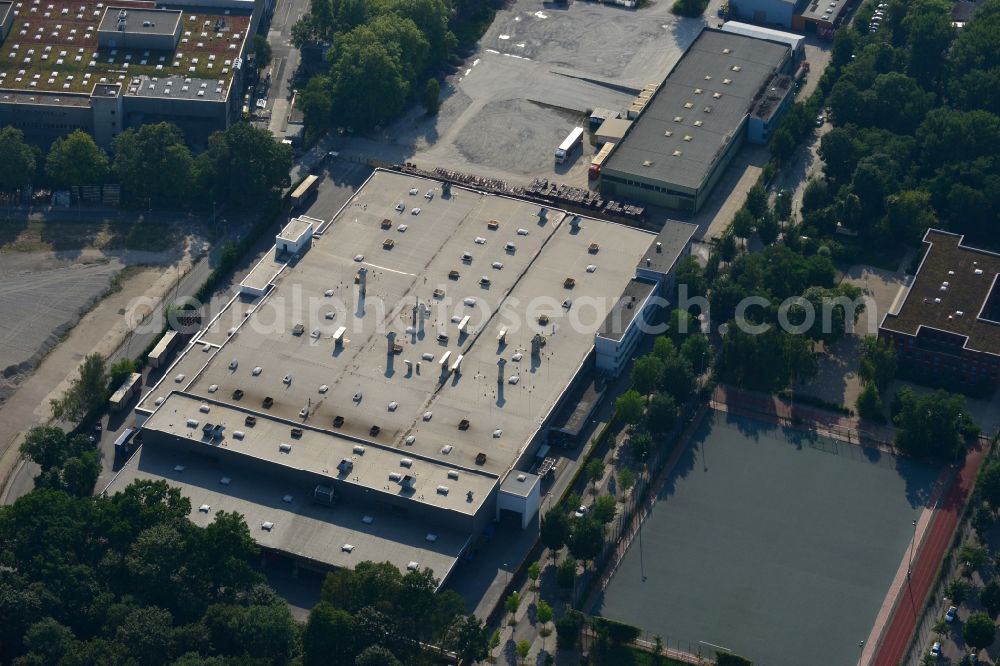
{"x":105,"y":68}
{"x":384,"y":391}
{"x":726,"y":88}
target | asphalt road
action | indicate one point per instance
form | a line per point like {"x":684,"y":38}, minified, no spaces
{"x":285,"y":61}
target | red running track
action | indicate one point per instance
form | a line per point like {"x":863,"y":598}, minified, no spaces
{"x":912,"y":596}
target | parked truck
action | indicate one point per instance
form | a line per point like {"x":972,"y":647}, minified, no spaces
{"x":573,"y":141}
{"x":161,"y":352}
{"x":599,"y":159}
{"x":126,"y":392}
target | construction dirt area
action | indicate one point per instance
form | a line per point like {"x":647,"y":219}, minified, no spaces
{"x":67,"y":290}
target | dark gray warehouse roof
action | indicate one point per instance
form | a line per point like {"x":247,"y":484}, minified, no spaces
{"x":698,"y":109}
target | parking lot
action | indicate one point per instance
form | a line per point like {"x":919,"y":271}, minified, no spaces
{"x":537,"y":71}
{"x":776,"y":544}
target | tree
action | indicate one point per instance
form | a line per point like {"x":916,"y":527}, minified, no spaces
{"x":376,"y":655}
{"x":369,"y":86}
{"x":17,"y":169}
{"x":586,"y":539}
{"x":594,"y":471}
{"x":86,"y":392}
{"x":432,"y":95}
{"x":782,"y":144}
{"x":641,"y":444}
{"x":989,"y":483}
{"x":261,"y":51}
{"x":691,"y":275}
{"x":756,"y":203}
{"x":681,"y":325}
{"x":554,"y":530}
{"x":119,"y":372}
{"x":662,"y":413}
{"x":663,"y":346}
{"x":154,"y":167}
{"x":49,"y":446}
{"x":689,"y":8}
{"x":727,"y":246}
{"x":316,"y":103}
{"x":930,"y":425}
{"x":544,"y":616}
{"x":768,"y":228}
{"x":815,"y":196}
{"x":626,"y":480}
{"x":678,"y":379}
{"x":76,"y":160}
{"x":783,"y":206}
{"x":929,"y":32}
{"x":80,"y":474}
{"x":989,"y":597}
{"x":697,"y":351}
{"x":328,"y":631}
{"x":244,"y":166}
{"x":566,"y":572}
{"x":869,"y":403}
{"x":493,"y":645}
{"x":910,"y":213}
{"x":957,"y":590}
{"x":878,"y":361}
{"x":974,"y":557}
{"x":979,"y":631}
{"x":534,"y":571}
{"x":743,"y":221}
{"x":49,"y":640}
{"x":522,"y":647}
{"x":511,"y":604}
{"x":604,"y":509}
{"x":629,"y":406}
{"x":467,"y":638}
{"x":568,"y":628}
{"x":982,"y":520}
{"x":646,"y":373}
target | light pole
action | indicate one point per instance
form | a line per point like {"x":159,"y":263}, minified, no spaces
{"x":909,"y":569}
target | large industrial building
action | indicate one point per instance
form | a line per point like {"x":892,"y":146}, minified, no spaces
{"x":727,"y":88}
{"x":947,"y":323}
{"x":381,"y":386}
{"x":105,"y":67}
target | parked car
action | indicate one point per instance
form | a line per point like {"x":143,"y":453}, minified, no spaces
{"x":581,"y":512}
{"x":951,"y":614}
{"x":936,"y":649}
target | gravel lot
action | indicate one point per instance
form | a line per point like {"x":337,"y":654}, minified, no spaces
{"x":37,"y":307}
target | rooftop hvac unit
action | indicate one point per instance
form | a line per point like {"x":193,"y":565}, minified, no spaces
{"x":442,"y":490}
{"x":408,"y":481}
{"x":345,"y":465}
{"x":406,"y":462}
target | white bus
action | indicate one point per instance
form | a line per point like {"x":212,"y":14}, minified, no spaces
{"x":569,"y":144}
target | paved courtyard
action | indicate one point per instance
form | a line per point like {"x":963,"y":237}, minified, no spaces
{"x":772,"y":543}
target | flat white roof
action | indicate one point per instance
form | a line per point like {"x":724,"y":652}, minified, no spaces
{"x":441,"y":424}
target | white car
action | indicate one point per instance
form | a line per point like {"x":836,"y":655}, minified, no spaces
{"x":581,"y":512}
{"x":951,"y":614}
{"x":936,"y":649}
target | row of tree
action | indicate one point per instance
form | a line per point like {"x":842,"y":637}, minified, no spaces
{"x":242,"y":167}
